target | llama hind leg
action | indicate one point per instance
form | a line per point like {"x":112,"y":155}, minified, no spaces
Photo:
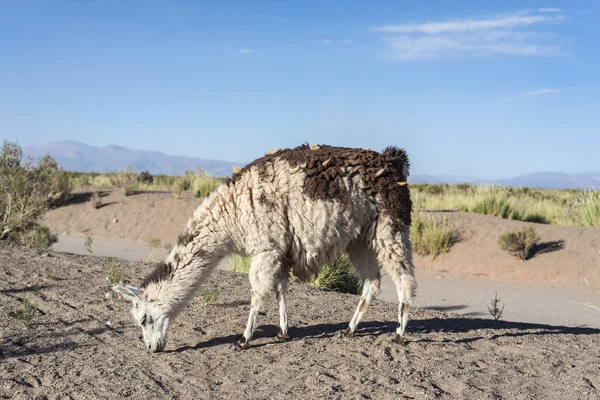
{"x":365,"y":263}
{"x":264,"y":269}
{"x":395,"y":254}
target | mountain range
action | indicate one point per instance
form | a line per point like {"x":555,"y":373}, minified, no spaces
{"x":75,"y":156}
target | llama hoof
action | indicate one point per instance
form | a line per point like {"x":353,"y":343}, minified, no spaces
{"x":282,"y":336}
{"x":344,"y":333}
{"x":399,"y":340}
{"x":239,"y":345}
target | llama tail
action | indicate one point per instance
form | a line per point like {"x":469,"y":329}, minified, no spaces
{"x":399,"y":158}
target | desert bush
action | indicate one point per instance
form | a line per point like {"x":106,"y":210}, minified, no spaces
{"x":27,"y":190}
{"x":520,"y":242}
{"x":145,"y":177}
{"x":431,"y":236}
{"x":125,"y":180}
{"x":25,"y":312}
{"x":339,"y":277}
{"x":96,"y":200}
{"x":37,"y":237}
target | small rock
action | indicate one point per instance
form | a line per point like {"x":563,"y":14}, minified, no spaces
{"x":109,"y":295}
{"x":108,"y":323}
{"x":115,"y":221}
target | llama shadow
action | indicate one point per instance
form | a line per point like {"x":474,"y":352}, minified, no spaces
{"x":546,"y":247}
{"x":416,"y":332}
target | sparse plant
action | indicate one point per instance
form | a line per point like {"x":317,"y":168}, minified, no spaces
{"x":493,"y":308}
{"x":519,"y":242}
{"x":431,"y":236}
{"x":207,"y":296}
{"x":125,"y":180}
{"x":115,"y":274}
{"x":154,"y":242}
{"x":88,"y":243}
{"x":339,"y":276}
{"x":25,"y":312}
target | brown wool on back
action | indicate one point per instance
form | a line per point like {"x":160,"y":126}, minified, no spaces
{"x":325,"y":166}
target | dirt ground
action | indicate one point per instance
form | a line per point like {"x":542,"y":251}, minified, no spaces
{"x":81,"y":346}
{"x":565,"y":256}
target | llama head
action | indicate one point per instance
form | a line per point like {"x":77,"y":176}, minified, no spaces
{"x":152,"y":318}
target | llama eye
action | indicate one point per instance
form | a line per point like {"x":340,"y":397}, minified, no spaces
{"x":143,"y":321}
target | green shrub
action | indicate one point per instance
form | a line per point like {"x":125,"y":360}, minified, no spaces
{"x":431,"y":236}
{"x":520,"y":242}
{"x":339,"y":277}
{"x":145,"y":177}
{"x":27,"y":190}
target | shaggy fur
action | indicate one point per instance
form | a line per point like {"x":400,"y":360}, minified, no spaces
{"x":294,"y":210}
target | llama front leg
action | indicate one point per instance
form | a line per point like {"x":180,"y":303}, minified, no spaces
{"x":365,"y":263}
{"x":250,"y":326}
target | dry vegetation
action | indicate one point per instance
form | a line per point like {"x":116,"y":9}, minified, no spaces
{"x":199,"y":182}
{"x":28,"y":188}
{"x":560,"y":207}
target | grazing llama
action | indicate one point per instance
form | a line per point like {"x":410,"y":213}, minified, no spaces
{"x":291,"y":211}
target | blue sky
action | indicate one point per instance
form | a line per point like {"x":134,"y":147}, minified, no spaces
{"x":486,"y":89}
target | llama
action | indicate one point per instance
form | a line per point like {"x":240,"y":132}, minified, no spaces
{"x":291,"y":211}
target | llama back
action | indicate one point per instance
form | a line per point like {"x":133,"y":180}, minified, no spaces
{"x":328,"y":170}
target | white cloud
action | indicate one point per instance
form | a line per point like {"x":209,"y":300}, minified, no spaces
{"x":432,"y":28}
{"x":248,"y":51}
{"x":327,"y":41}
{"x":549,"y":10}
{"x":512,"y":35}
{"x":544,"y":91}
{"x":346,"y":41}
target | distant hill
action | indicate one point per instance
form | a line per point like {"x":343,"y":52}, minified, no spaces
{"x":541,"y":180}
{"x":75,"y":156}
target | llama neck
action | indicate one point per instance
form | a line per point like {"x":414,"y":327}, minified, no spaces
{"x":192,"y":260}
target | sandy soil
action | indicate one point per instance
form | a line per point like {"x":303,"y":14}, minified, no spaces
{"x":565,"y":257}
{"x":69,"y":351}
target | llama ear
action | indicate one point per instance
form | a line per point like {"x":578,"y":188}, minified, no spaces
{"x":129,"y":293}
